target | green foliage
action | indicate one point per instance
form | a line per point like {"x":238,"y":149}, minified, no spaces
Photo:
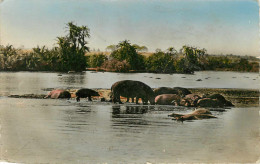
{"x":116,"y":66}
{"x":161,"y":62}
{"x":72,"y":48}
{"x":125,"y":51}
{"x":111,"y":47}
{"x":140,"y":48}
{"x":96,"y":60}
{"x":193,"y":57}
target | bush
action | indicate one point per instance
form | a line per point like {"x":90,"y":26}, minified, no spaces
{"x":116,"y":66}
{"x":96,"y":60}
{"x":125,"y":51}
{"x":160,"y":62}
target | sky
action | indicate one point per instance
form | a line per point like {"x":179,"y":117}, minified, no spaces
{"x":220,"y":26}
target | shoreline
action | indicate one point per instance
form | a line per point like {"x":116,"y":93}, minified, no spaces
{"x":239,"y":97}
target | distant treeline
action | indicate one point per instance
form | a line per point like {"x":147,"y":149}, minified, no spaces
{"x":126,"y":58}
{"x":72,"y":54}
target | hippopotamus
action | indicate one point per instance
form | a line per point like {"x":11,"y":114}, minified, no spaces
{"x":164,"y":90}
{"x":167,"y":99}
{"x":182,"y":91}
{"x":130,"y":88}
{"x":220,"y":98}
{"x":190,"y":100}
{"x":176,"y":90}
{"x":58,"y":94}
{"x":85,"y":92}
{"x":197,"y":114}
{"x":208,"y":102}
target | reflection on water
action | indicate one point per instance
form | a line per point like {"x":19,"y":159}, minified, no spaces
{"x":61,"y":131}
{"x":129,"y":109}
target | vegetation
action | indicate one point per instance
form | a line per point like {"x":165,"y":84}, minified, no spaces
{"x":115,"y":65}
{"x":96,"y":60}
{"x":161,"y":62}
{"x":127,"y":52}
{"x":72,"y":48}
{"x":70,"y":54}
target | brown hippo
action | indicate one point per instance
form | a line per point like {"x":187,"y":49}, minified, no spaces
{"x":182,"y":91}
{"x":167,"y":99}
{"x":220,"y":98}
{"x":208,"y":102}
{"x":197,"y":114}
{"x":176,"y":90}
{"x":85,"y":92}
{"x":130,"y":88}
{"x":164,"y":90}
{"x":190,"y":100}
{"x":58,"y":94}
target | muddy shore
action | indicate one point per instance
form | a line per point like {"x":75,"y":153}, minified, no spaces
{"x":239,"y":97}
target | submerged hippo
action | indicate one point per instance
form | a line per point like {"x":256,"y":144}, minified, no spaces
{"x":58,"y":94}
{"x":167,"y":99}
{"x":164,"y":90}
{"x":190,"y":100}
{"x":176,"y":90}
{"x":84,"y":93}
{"x":132,"y":89}
{"x":182,"y":91}
{"x":220,"y":98}
{"x":197,"y":114}
{"x":208,"y":102}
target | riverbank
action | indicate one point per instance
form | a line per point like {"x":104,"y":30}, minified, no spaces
{"x":239,"y":97}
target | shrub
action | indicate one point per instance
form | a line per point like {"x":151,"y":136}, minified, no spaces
{"x":160,"y":62}
{"x":96,"y":60}
{"x":125,"y":51}
{"x":116,"y":66}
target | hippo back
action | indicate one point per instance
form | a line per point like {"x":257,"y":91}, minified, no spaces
{"x":65,"y":94}
{"x":130,"y":88}
{"x":182,"y":91}
{"x":164,"y":90}
{"x":59,"y":93}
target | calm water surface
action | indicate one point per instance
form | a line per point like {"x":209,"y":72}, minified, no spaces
{"x":35,"y":82}
{"x":65,"y":131}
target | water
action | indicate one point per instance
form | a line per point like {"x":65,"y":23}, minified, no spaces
{"x":65,"y":131}
{"x":29,"y":82}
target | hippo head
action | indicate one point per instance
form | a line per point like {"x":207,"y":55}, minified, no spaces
{"x":96,"y":94}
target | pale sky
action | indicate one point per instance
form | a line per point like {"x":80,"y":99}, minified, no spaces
{"x":220,"y":26}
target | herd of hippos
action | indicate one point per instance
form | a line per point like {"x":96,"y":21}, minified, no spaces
{"x":135,"y":90}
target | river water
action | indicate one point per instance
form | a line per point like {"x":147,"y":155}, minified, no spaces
{"x":66,"y":131}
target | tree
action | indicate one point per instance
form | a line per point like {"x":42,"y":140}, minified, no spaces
{"x":126,"y":51}
{"x":111,"y":47}
{"x":161,"y":62}
{"x":140,"y":48}
{"x":72,"y":48}
{"x":171,"y":50}
{"x":96,"y":60}
{"x":192,"y":58}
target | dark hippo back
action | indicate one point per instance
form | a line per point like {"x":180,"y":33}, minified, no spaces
{"x":176,"y":90}
{"x":182,"y":91}
{"x":65,"y":94}
{"x":164,"y":90}
{"x":130,"y":88}
{"x":85,"y":92}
